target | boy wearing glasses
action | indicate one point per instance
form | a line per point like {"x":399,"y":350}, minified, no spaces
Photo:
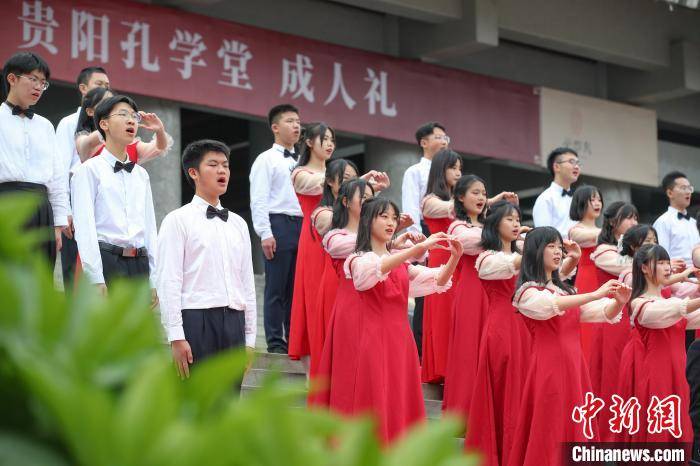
{"x":28,"y":158}
{"x":676,"y":229}
{"x":115,"y":225}
{"x":553,"y":205}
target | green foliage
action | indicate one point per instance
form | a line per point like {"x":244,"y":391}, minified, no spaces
{"x":86,"y":380}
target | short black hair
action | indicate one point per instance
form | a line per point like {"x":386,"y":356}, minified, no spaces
{"x":552,"y":157}
{"x":427,"y":129}
{"x":105,"y":107}
{"x":275,"y":112}
{"x":195,"y":151}
{"x":580,"y":201}
{"x":669,"y":181}
{"x":86,"y":73}
{"x":22,"y":63}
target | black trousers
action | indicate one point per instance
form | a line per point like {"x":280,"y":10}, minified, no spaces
{"x":417,"y":323}
{"x":115,"y":266}
{"x":279,"y":281}
{"x":69,"y":259}
{"x":692,"y":373}
{"x":42,"y":218}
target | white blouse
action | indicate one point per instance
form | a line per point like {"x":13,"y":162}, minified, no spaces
{"x":496,"y":265}
{"x":607,"y":258}
{"x":657,"y":312}
{"x":540,"y":304}
{"x":365,"y":270}
{"x":434,"y":207}
{"x":467,"y":234}
{"x":579,"y":232}
{"x":308,"y":182}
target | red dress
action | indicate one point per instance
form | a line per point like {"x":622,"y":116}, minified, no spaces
{"x":468,"y":319}
{"x":557,"y":380}
{"x":586,"y":281}
{"x":310,"y":260}
{"x":437,"y":314}
{"x":503,"y":361}
{"x":662,"y":373}
{"x":607,"y":344}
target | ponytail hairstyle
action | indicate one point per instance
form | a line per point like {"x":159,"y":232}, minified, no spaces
{"x":461,"y":188}
{"x":532,"y":264}
{"x":612,"y":217}
{"x":437,"y":184}
{"x":581,"y":200}
{"x":86,"y":123}
{"x":372,"y":209}
{"x":634,"y":238}
{"x":650,"y":255}
{"x":335,"y":172}
{"x":490,"y":237}
{"x":310,"y":133}
{"x":347,"y":192}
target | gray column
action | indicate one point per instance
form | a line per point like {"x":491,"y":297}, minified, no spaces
{"x":613,"y":190}
{"x":391,"y":157}
{"x":165,"y":172}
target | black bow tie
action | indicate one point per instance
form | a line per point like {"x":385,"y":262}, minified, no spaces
{"x":17,"y":110}
{"x":682,"y":216}
{"x":123,"y":166}
{"x":569,"y":192}
{"x":214,"y":212}
{"x":290,"y":154}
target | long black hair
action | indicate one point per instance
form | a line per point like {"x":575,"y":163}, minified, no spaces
{"x":86,"y":123}
{"x":490,"y":237}
{"x":372,"y":209}
{"x":310,"y":133}
{"x":437,"y":184}
{"x":335,"y":171}
{"x":532,"y":265}
{"x":463,"y":184}
{"x":347,"y":191}
{"x":649,"y":254}
{"x":612,"y":217}
{"x":581,"y":200}
{"x":635,"y":237}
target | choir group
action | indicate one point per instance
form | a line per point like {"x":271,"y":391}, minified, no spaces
{"x":518,"y":323}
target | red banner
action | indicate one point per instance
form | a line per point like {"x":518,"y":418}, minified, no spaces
{"x":190,"y":58}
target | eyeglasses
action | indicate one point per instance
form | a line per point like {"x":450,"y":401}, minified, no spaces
{"x":440,"y":137}
{"x":36,"y":82}
{"x":126,"y":115}
{"x":573,"y":162}
{"x":686,"y":189}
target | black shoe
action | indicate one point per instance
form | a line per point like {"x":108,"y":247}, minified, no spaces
{"x":277,"y":350}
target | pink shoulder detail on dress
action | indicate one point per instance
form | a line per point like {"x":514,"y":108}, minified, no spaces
{"x":526,"y":286}
{"x":456,"y":224}
{"x":298,"y":170}
{"x":481,"y":258}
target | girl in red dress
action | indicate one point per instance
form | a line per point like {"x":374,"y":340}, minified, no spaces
{"x":557,"y":377}
{"x":608,"y":341}
{"x":438,"y":213}
{"x":505,"y":343}
{"x":586,"y":206}
{"x":387,"y":376}
{"x":661,"y":323}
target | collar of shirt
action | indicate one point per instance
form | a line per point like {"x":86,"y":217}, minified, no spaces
{"x":557,"y":188}
{"x":202,"y":204}
{"x":108,"y":157}
{"x":279,"y":148}
{"x":425,"y":161}
{"x":675,"y":211}
{"x":5,"y":108}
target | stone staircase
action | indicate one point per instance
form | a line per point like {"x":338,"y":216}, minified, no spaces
{"x":266,"y":363}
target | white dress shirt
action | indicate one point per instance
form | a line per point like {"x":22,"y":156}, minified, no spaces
{"x":677,"y":236}
{"x":552,"y":210}
{"x":116,"y":208}
{"x":28,"y":154}
{"x":65,"y":140}
{"x":271,"y":189}
{"x":204,"y":263}
{"x":413,"y":189}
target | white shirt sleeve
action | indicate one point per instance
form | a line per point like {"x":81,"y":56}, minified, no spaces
{"x":84,"y":191}
{"x":260,"y":176}
{"x":248,"y":279}
{"x":411,"y":197}
{"x":662,"y":231}
{"x":541,"y":212}
{"x":65,"y":146}
{"x":150,"y":233}
{"x":57,"y":186}
{"x":169,"y":276}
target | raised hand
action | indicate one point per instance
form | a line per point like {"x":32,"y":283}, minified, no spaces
{"x":623,"y":294}
{"x":405,"y":221}
{"x":456,"y":248}
{"x":150,"y":121}
{"x":572,"y":249}
{"x":608,"y":288}
{"x":677,"y":265}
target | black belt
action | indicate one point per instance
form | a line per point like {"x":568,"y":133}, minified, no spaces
{"x":23,"y":186}
{"x":125,"y":252}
